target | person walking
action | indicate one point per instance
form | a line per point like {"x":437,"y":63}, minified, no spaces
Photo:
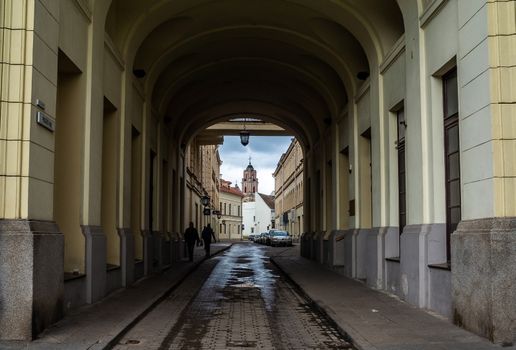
{"x":206,"y":235}
{"x":191,"y":237}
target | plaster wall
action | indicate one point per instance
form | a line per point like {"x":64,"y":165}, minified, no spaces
{"x":109,"y":186}
{"x":394,"y":93}
{"x":263,"y":215}
{"x":249,"y":218}
{"x":67,"y":168}
{"x":73,"y":33}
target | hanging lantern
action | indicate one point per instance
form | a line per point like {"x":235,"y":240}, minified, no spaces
{"x":244,"y":137}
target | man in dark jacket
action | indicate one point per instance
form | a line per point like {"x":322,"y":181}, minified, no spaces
{"x":207,"y":233}
{"x":191,"y":237}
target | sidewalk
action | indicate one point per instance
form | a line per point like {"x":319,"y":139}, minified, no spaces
{"x":375,"y":320}
{"x":96,"y":326}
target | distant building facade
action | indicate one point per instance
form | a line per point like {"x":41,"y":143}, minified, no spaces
{"x":288,"y":189}
{"x":230,"y":204}
{"x":258,"y":214}
{"x":202,"y":179}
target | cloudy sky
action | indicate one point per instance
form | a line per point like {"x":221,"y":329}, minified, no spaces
{"x":265,"y":152}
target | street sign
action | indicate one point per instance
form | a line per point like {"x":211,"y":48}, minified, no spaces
{"x":45,"y":121}
{"x":207,"y":211}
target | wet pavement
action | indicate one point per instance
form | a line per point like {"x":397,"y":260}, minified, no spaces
{"x":234,"y":301}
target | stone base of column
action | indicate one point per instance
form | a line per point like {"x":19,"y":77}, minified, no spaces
{"x":126,"y":255}
{"x":317,"y":247}
{"x":176,"y":246}
{"x":306,"y":245}
{"x":148,"y":252}
{"x":378,"y":240}
{"x":420,"y":245}
{"x":166,"y":250}
{"x":483,"y":262}
{"x":96,"y":263}
{"x":336,"y":249}
{"x":157,"y":239}
{"x":31,"y":277}
{"x":360,"y":246}
{"x":350,"y":253}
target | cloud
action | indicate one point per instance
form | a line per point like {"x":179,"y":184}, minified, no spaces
{"x":265,"y":152}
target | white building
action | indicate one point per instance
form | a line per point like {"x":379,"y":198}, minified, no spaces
{"x":258,"y":216}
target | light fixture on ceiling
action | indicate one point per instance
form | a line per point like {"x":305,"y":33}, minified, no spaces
{"x":244,"y":136}
{"x":139,"y":73}
{"x":362,"y":75}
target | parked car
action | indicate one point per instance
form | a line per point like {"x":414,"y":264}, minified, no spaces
{"x":251,"y":237}
{"x":264,"y":238}
{"x":279,"y":238}
{"x":260,"y":238}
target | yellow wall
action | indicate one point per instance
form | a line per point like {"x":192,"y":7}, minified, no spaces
{"x":109,"y":186}
{"x":67,"y":169}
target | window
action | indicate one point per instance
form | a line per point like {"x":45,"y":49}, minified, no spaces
{"x":402,"y":197}
{"x":230,"y":209}
{"x":238,"y":210}
{"x":451,"y":154}
{"x":224,"y":208}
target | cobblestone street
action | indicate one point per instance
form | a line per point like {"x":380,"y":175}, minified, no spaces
{"x":237,"y":300}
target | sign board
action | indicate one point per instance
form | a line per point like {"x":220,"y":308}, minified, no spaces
{"x":207,"y":211}
{"x":45,"y":121}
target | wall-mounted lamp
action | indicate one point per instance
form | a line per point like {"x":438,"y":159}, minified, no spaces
{"x":205,"y":200}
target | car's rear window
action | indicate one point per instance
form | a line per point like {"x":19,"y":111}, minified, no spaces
{"x":279,"y":233}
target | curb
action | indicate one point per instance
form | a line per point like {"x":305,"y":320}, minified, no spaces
{"x":114,"y":339}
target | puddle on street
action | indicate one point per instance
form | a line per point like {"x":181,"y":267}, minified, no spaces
{"x":246,"y":303}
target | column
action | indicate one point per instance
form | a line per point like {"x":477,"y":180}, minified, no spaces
{"x":483,"y":253}
{"x":31,"y":278}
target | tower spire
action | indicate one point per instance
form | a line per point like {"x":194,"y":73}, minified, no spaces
{"x":249,"y":160}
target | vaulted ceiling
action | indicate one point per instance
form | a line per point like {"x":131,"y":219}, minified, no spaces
{"x":290,"y":62}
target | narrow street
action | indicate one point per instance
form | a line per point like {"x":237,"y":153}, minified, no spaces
{"x":233,"y":301}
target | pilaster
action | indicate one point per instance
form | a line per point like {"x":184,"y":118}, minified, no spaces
{"x":148,"y":252}
{"x":96,"y":263}
{"x":126,"y":255}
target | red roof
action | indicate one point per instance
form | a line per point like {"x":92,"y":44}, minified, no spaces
{"x":225,"y":186}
